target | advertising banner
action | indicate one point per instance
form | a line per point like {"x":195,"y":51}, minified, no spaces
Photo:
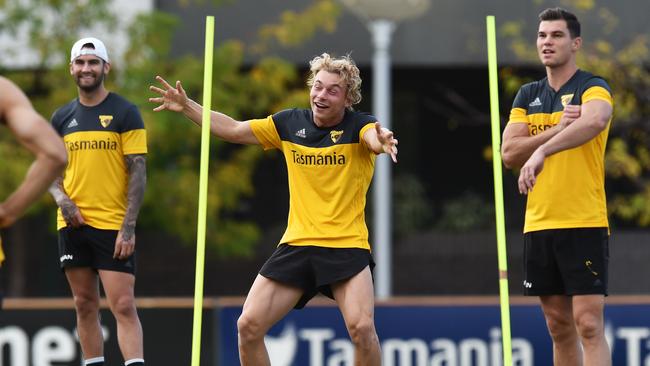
{"x":410,"y":335}
{"x":48,"y":337}
{"x":433,"y":336}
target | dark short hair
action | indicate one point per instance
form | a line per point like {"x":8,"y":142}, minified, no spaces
{"x":561,"y":14}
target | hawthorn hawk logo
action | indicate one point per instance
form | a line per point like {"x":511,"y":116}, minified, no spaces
{"x":336,"y":136}
{"x":105,"y":120}
{"x":566,"y":98}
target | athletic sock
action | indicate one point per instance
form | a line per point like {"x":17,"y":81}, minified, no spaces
{"x":96,"y":361}
{"x":134,"y":362}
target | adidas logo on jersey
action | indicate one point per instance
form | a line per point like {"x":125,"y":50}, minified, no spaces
{"x":302,"y":133}
{"x":535,"y":103}
{"x":73,"y":123}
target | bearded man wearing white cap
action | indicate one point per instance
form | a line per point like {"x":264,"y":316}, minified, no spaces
{"x":99,"y":197}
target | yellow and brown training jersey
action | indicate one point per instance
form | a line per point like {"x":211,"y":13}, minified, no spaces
{"x":570,"y":190}
{"x":96,"y":139}
{"x":329,"y":169}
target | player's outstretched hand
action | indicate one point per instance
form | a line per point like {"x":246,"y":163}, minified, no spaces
{"x":171,"y":98}
{"x":387,"y":140}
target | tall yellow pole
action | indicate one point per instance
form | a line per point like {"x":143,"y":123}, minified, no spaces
{"x":498,"y":191}
{"x":203,"y":191}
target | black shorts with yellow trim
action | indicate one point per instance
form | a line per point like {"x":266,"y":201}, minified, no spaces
{"x":87,"y":246}
{"x":566,"y":262}
{"x":314,"y":269}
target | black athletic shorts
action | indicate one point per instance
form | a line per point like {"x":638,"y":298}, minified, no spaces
{"x":314,"y":269}
{"x":566,"y":262}
{"x":86,"y":246}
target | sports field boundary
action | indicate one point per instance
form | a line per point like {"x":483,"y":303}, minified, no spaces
{"x":18,"y":303}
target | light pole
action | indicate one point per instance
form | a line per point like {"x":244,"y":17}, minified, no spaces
{"x":381,"y":17}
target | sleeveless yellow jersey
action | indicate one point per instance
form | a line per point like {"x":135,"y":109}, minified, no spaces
{"x":329,"y":170}
{"x":570,"y":190}
{"x":96,"y":139}
{"x":2,"y":254}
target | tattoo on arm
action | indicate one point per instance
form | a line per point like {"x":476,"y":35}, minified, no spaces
{"x":137,"y":167}
{"x":68,"y":208}
{"x":56,"y":189}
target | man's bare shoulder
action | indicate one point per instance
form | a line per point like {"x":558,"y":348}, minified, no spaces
{"x":5,"y":97}
{"x":7,"y":86}
{"x":10,"y":95}
{"x":12,"y":102}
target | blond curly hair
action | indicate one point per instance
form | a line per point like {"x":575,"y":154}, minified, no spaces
{"x":344,"y":67}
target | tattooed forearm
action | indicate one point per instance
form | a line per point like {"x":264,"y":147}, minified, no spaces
{"x":68,"y":208}
{"x":56,"y":190}
{"x":137,"y":167}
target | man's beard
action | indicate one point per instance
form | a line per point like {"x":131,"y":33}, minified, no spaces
{"x":92,"y":87}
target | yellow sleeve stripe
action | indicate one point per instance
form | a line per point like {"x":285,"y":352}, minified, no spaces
{"x":597,"y":92}
{"x":363,"y":131}
{"x":261,"y":129}
{"x":134,"y":142}
{"x":518,"y":115}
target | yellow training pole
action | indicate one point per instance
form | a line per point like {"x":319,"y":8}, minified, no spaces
{"x":498,"y":191}
{"x":203,"y":191}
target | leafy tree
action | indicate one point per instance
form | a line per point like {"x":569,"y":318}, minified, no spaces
{"x":171,"y":200}
{"x":625,"y":67}
{"x":412,"y":211}
{"x":242,"y":91}
{"x":31,"y":18}
{"x":50,"y":27}
{"x":295,"y":28}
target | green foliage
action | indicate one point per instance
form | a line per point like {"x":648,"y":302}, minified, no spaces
{"x":186,"y":3}
{"x":63,"y":20}
{"x":47,"y":88}
{"x":174,"y":143}
{"x":297,"y":27}
{"x":243,"y":92}
{"x":412,"y":211}
{"x":467,"y":212}
{"x":625,"y":67}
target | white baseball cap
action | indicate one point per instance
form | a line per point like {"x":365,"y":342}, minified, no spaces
{"x":98,"y":49}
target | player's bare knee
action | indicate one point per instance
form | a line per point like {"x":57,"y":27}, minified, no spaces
{"x":589,"y":326}
{"x":362,"y":332}
{"x":560,"y":327}
{"x":124,"y":307}
{"x":86,"y":305}
{"x":249,"y":329}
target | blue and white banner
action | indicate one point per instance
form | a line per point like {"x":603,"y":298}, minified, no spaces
{"x":433,"y":336}
{"x":410,"y":335}
{"x":48,"y":337}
